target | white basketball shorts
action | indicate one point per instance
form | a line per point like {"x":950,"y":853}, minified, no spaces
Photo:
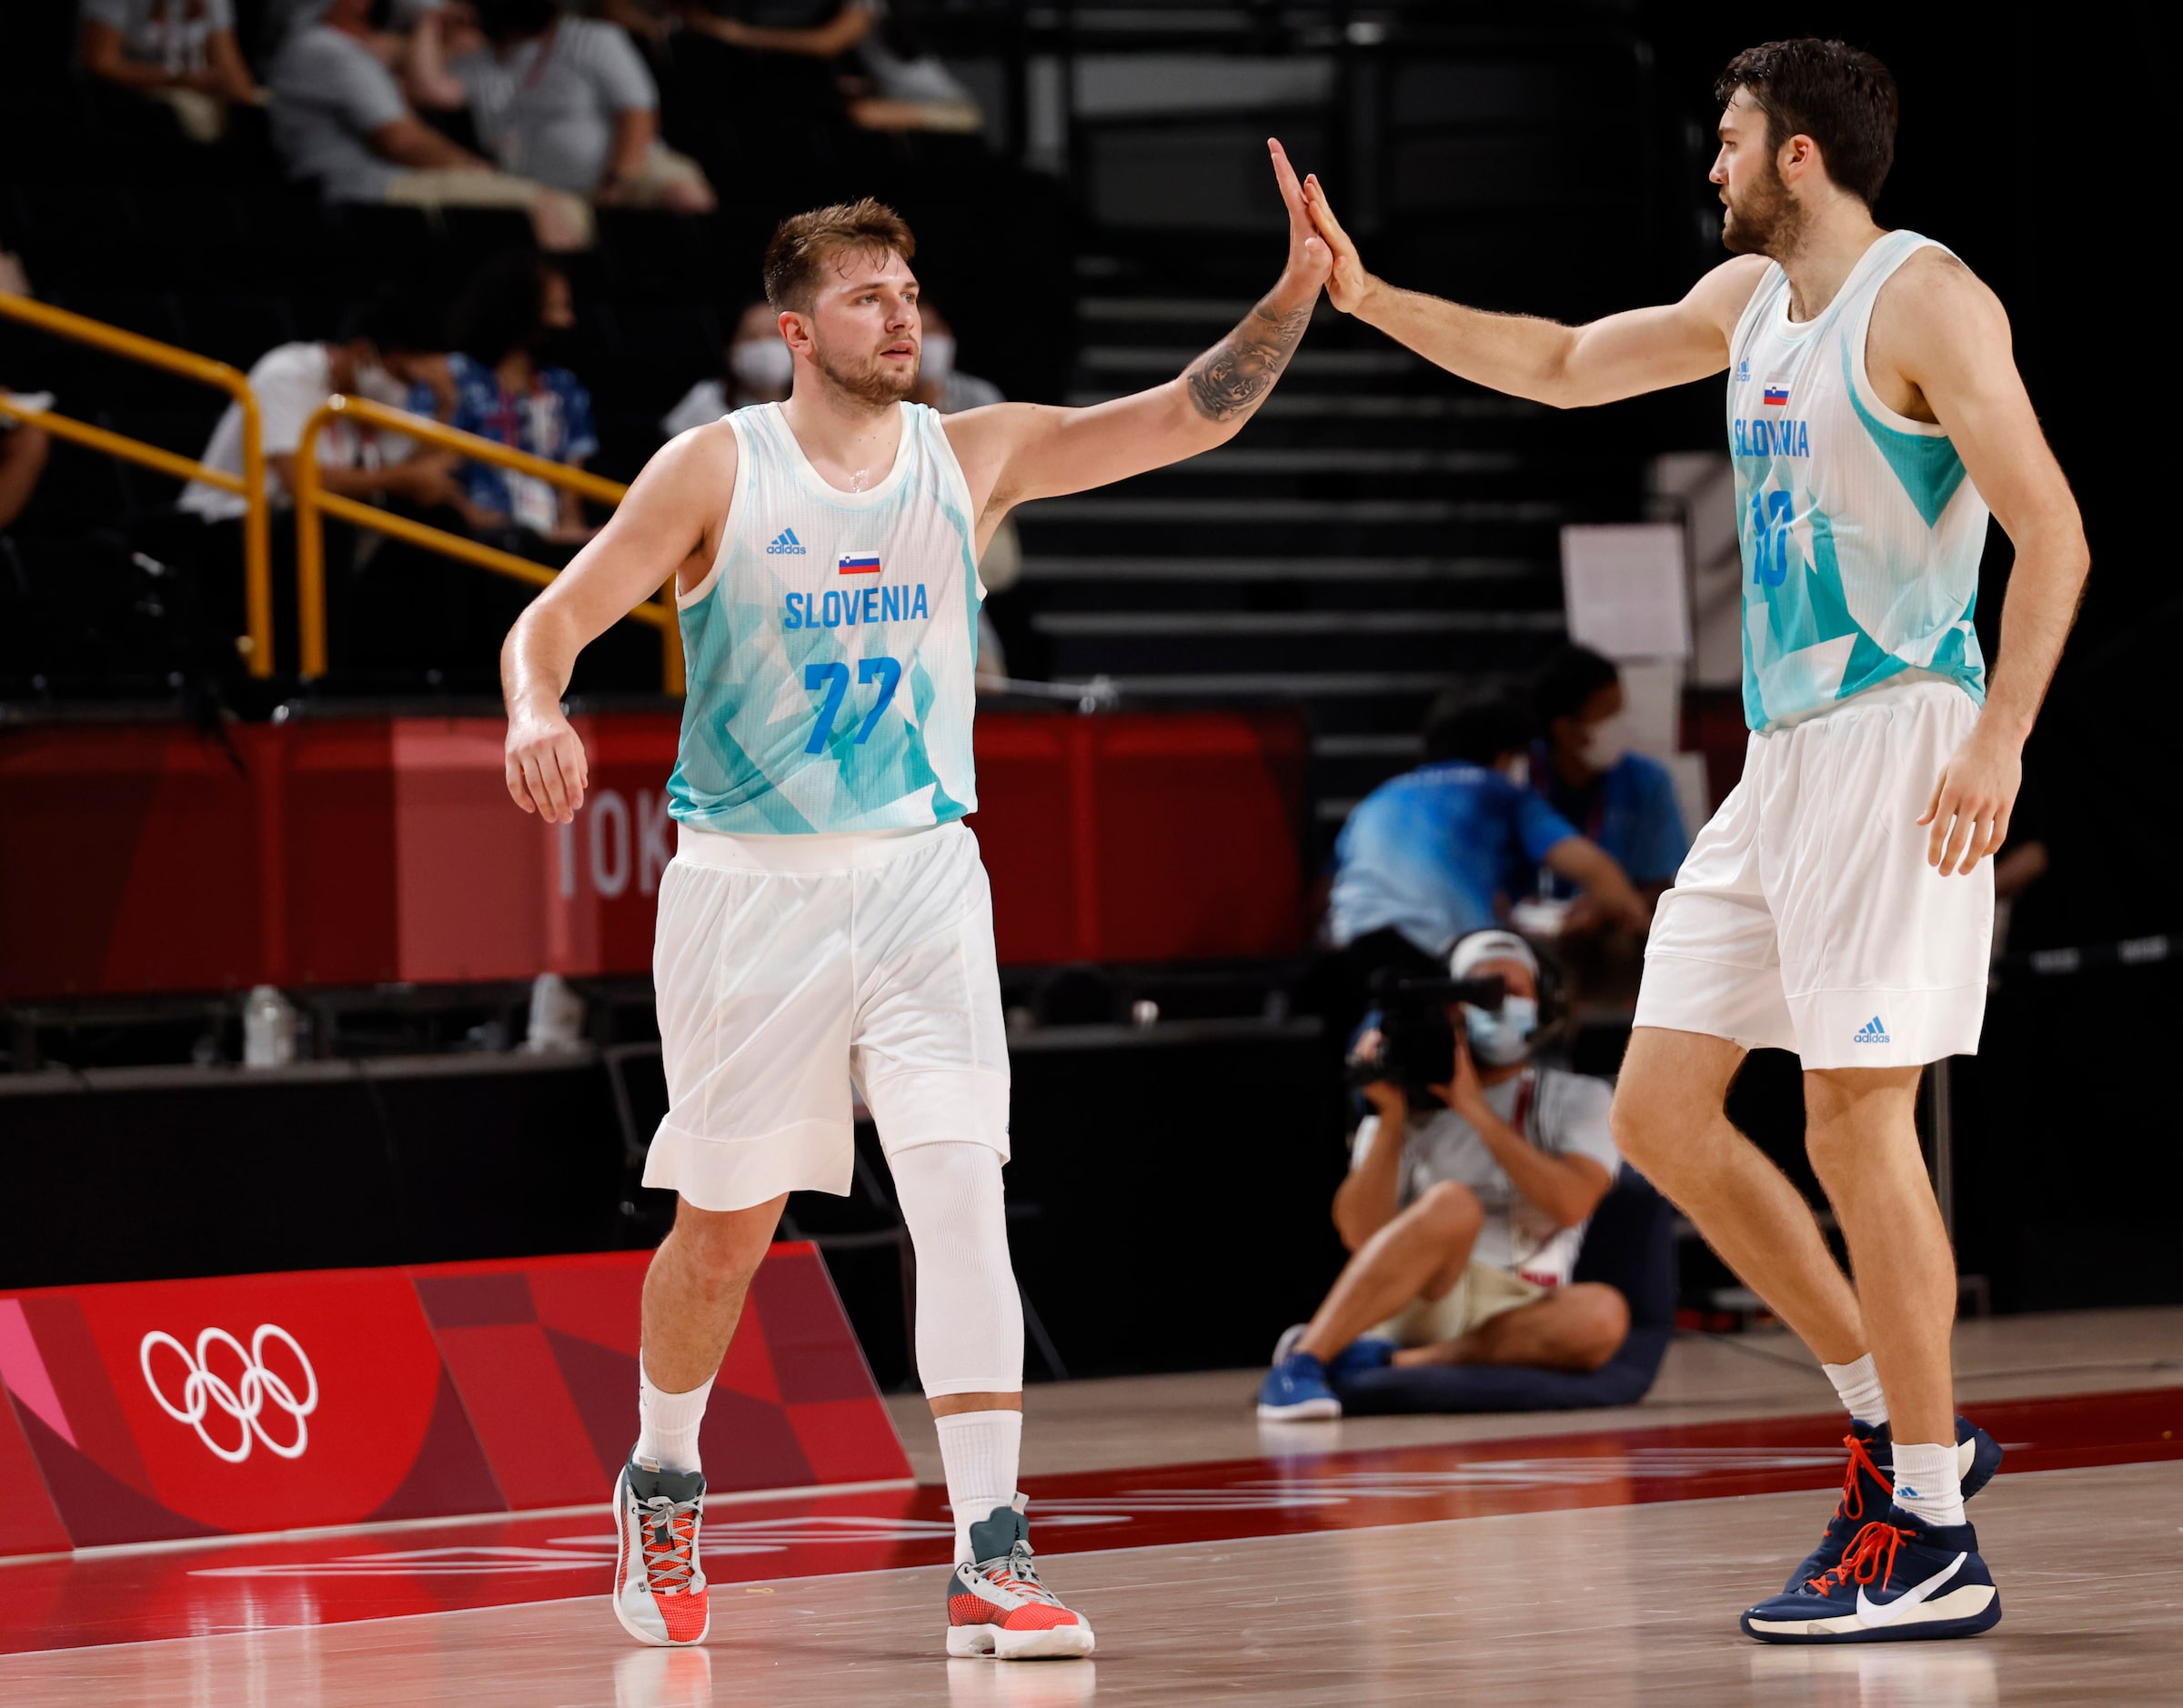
{"x":1807,"y":916}
{"x":786,"y":964}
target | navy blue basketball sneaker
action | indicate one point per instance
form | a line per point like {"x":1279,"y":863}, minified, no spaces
{"x":1868,"y":1488}
{"x":1901,"y":1579}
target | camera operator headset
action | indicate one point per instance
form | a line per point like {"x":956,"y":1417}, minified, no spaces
{"x":1472,"y":1108}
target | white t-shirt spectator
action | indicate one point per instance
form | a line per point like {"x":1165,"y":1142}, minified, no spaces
{"x":169,"y":34}
{"x":329,"y":94}
{"x":545,"y":109}
{"x":1563,"y":1114}
{"x":291,"y":381}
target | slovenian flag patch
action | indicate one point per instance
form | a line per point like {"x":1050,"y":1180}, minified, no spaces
{"x":1777,"y":395}
{"x":858,"y":563}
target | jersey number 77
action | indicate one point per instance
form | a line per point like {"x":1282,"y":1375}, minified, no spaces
{"x":834,"y":679}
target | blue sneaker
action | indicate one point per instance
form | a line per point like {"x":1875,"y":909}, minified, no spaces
{"x":1868,"y":1488}
{"x":1901,"y":1580}
{"x":1366,"y":1353}
{"x":1296,"y":1389}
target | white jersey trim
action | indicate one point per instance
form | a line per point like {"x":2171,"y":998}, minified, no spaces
{"x":731,"y":523}
{"x":1860,"y":377}
{"x":817,"y":484}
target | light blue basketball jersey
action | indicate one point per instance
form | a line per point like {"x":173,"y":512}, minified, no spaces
{"x":1861,"y":537}
{"x":830,"y":651}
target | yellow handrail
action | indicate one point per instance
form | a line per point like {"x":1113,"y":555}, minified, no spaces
{"x":257,"y":563}
{"x":313,"y":503}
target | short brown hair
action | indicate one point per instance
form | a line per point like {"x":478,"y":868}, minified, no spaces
{"x":800,"y":246}
{"x":1841,"y":96}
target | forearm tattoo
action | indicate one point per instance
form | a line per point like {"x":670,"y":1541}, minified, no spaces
{"x":1229,"y":378}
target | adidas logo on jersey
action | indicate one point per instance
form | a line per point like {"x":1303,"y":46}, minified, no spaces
{"x":786,"y":544}
{"x":1871,"y":1033}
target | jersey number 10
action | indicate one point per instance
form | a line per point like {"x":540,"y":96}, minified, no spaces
{"x":834,"y":679}
{"x":1772,"y":515}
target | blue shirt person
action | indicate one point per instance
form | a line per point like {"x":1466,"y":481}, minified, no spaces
{"x":1582,"y":767}
{"x":1433,"y":853}
{"x":505,"y":389}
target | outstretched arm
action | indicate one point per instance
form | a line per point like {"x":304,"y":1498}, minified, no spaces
{"x":1644,"y":350}
{"x":665,"y":527}
{"x":1945,"y":333}
{"x":1014,"y":452}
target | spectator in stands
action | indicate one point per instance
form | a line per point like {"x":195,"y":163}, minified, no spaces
{"x":939,"y":381}
{"x":338,"y":117}
{"x":516,"y":311}
{"x":1430,"y":855}
{"x":179,"y":53}
{"x":385,"y":350}
{"x":756,"y":369}
{"x":567,"y":102}
{"x":1464,"y":1217}
{"x":910,"y":89}
{"x":1582,"y":765}
{"x":21,"y":457}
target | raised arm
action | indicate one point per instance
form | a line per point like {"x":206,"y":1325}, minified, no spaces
{"x":1642,"y":350}
{"x":669,"y":525}
{"x":1014,"y":452}
{"x":1938,"y":327}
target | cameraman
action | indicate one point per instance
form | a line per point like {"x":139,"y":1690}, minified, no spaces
{"x":1464,"y":1217}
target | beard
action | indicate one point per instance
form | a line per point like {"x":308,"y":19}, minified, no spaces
{"x":1766,"y":220}
{"x":870,"y":379}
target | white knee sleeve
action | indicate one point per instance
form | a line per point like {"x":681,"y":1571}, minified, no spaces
{"x":970,"y":1318}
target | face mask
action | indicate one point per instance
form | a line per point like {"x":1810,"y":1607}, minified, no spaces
{"x":1605,"y":743}
{"x":937,"y":359}
{"x":762,"y":364}
{"x":1501,"y":1038}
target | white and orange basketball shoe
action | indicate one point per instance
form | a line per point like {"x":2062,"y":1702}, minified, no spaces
{"x":996,"y":1604}
{"x":659,"y":1583}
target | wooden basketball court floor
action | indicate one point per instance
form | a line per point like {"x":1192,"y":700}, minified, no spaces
{"x":1596,"y":1558}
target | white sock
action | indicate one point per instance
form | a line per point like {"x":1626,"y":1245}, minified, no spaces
{"x":1925,"y":1481}
{"x":666,"y":1424}
{"x":1859,"y":1386}
{"x":980,"y":1450}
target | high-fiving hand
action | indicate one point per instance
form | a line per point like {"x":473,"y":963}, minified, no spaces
{"x":1348,"y":284}
{"x":1310,"y":259}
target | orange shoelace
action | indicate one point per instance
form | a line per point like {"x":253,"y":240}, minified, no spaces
{"x":670,"y":1552}
{"x":1017,"y":1574}
{"x":1871,"y":1558}
{"x":1853,"y":1493}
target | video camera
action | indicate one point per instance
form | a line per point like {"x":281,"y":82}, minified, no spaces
{"x":1417,"y":1044}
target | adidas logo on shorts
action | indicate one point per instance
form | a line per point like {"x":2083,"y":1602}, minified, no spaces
{"x":1873,"y":1032}
{"x":786,"y":544}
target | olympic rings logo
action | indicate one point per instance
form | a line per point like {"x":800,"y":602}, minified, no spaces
{"x":244,"y":1399}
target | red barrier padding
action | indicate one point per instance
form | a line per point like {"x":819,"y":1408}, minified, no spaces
{"x":149,"y":1411}
{"x":139,"y":858}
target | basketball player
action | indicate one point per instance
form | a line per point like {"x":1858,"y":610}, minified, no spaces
{"x":1839,"y":904}
{"x":825,"y":914}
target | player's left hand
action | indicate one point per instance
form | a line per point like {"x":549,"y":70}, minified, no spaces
{"x":1310,"y":259}
{"x":1462,"y":1093}
{"x":1970,"y":810}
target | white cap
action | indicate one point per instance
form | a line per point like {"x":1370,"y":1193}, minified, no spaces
{"x":1481,"y":947}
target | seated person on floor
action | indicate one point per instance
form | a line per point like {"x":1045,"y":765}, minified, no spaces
{"x":1466,"y":1204}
